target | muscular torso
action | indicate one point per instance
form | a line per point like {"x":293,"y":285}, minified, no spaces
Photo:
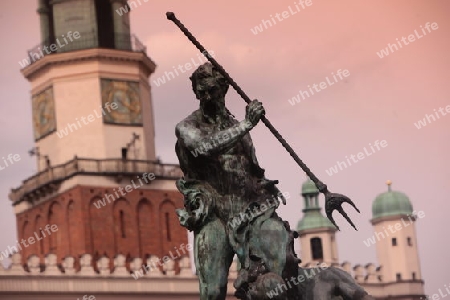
{"x":231,"y":171}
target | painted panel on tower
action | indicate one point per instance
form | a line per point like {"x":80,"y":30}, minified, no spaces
{"x":125,"y":94}
{"x":44,"y":120}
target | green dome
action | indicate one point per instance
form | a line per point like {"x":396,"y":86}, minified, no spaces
{"x":314,"y":219}
{"x":308,"y":187}
{"x":391,"y":203}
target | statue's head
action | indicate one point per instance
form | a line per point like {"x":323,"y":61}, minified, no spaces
{"x":208,"y":84}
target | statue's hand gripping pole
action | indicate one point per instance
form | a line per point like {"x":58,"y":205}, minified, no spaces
{"x":333,"y":201}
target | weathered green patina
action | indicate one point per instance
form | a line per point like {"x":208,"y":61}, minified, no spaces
{"x":231,"y":206}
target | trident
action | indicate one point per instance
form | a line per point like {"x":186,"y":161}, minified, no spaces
{"x":333,"y":201}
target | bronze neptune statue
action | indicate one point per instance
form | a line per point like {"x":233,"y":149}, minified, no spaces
{"x":231,"y":206}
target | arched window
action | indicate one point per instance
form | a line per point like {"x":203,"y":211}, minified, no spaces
{"x":122,"y":224}
{"x":146,"y":227}
{"x":55,"y":217}
{"x":39,"y":245}
{"x":71,"y":227}
{"x":167,"y":224}
{"x":24,"y":236}
{"x":169,"y":238}
{"x":316,"y":248}
{"x":124,"y":228}
{"x":102,"y":230}
{"x":53,"y":237}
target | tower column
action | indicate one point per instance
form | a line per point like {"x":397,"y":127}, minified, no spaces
{"x":44,"y":17}
{"x":121,"y":25}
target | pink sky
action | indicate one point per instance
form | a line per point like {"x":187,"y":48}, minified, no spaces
{"x":381,"y":99}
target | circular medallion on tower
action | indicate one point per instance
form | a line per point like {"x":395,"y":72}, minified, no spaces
{"x":44,"y":120}
{"x":125,"y":96}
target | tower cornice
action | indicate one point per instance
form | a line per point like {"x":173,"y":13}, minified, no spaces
{"x":58,"y":1}
{"x":393,"y":218}
{"x":302,"y":233}
{"x":88,"y":55}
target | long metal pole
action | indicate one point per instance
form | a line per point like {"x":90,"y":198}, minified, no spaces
{"x":333,"y":201}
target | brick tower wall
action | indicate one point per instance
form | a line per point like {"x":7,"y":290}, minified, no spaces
{"x":139,"y":224}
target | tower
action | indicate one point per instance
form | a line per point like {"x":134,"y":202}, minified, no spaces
{"x":395,"y":237}
{"x":89,"y":67}
{"x":99,"y":183}
{"x":316,"y":232}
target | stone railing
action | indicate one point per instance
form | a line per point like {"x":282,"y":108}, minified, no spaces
{"x":136,"y":267}
{"x":73,"y":278}
{"x":51,"y":177}
{"x":362,"y":274}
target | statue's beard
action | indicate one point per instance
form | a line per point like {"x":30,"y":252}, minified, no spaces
{"x":214,"y":108}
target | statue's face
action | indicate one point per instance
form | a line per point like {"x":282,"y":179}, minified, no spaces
{"x":207,"y":90}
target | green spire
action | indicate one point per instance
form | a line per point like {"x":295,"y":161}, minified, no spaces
{"x":312,"y":215}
